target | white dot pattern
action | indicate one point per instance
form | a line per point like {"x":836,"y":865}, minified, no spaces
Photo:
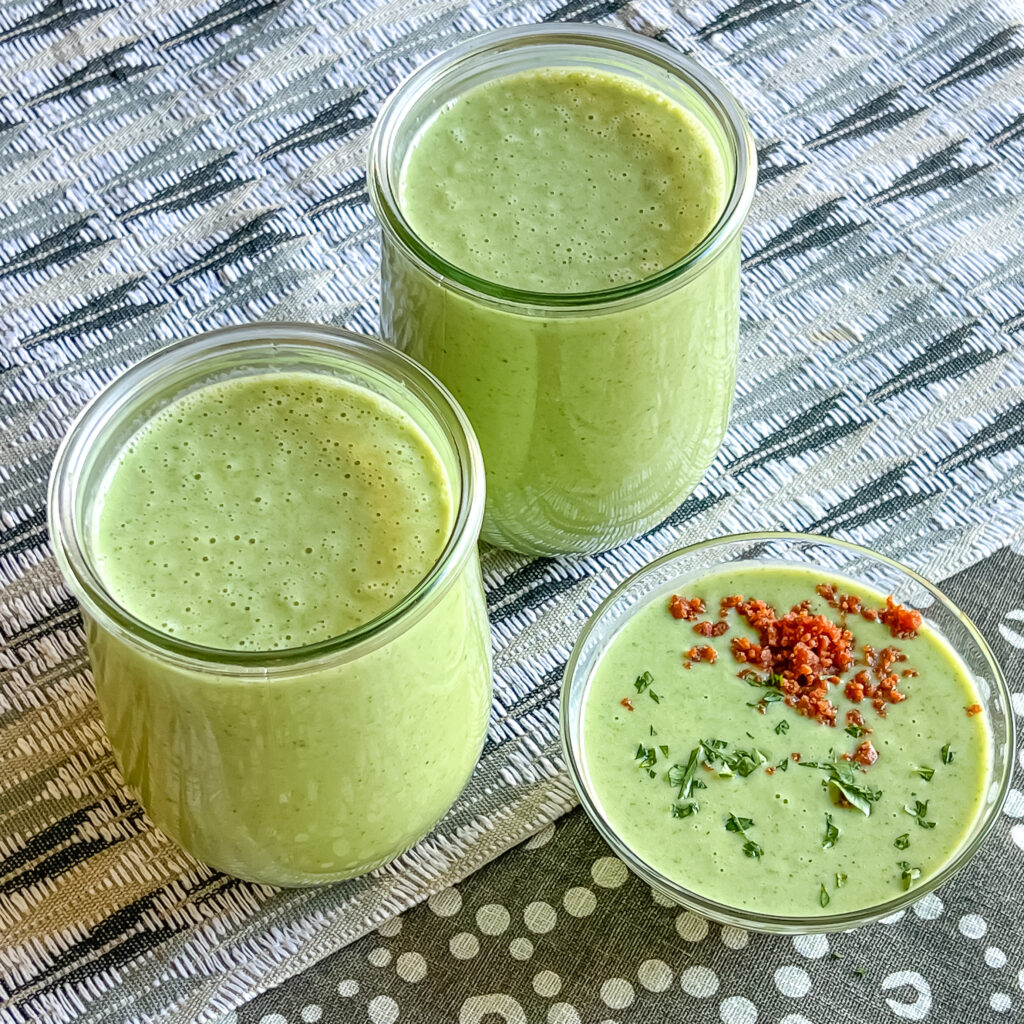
{"x":995,"y":958}
{"x":311,"y":1014}
{"x":814,"y":947}
{"x":348,"y":988}
{"x":382,"y":1010}
{"x":791,"y":981}
{"x":735,"y":938}
{"x":737,"y":1010}
{"x":520,"y":949}
{"x":972,"y":926}
{"x":699,"y":982}
{"x":493,"y":919}
{"x":579,"y":902}
{"x":691,"y":927}
{"x":445,"y":903}
{"x":547,"y":984}
{"x":540,"y":917}
{"x":609,"y":872}
{"x":464,"y":946}
{"x":654,"y":975}
{"x":617,"y":993}
{"x":411,"y":967}
{"x":563,"y":1013}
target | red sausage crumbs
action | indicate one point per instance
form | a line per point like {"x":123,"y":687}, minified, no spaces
{"x":974,"y":709}
{"x":865,"y":754}
{"x":626,"y":703}
{"x":903,"y":622}
{"x":709,"y":628}
{"x":702,"y":653}
{"x":807,"y":651}
{"x":686,"y":608}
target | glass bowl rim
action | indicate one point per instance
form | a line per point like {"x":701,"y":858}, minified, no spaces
{"x":1001,"y":770}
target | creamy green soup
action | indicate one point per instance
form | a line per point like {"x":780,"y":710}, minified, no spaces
{"x":721,"y":785}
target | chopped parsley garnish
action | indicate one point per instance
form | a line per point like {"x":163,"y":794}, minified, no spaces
{"x":740,"y":826}
{"x":654,"y":696}
{"x":831,"y":833}
{"x":685,"y":810}
{"x":908,"y":875}
{"x":841,"y":877}
{"x":856,"y":731}
{"x":902,"y":842}
{"x":647,"y":756}
{"x":663,"y":747}
{"x":684,"y":777}
{"x":782,"y":727}
{"x":861,"y":972}
{"x":947,"y":755}
{"x":734,"y":824}
{"x":844,"y":785}
{"x":643,"y":682}
{"x":823,"y":897}
{"x":783,"y":765}
{"x":653,"y":733}
{"x":833,"y":955}
{"x":918,"y":812}
{"x":925,"y":773}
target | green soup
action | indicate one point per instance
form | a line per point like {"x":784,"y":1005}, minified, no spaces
{"x":594,"y":422}
{"x":721,"y":785}
{"x":267,"y":512}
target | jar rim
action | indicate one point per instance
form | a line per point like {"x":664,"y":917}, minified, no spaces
{"x":710,"y":89}
{"x":115,"y":402}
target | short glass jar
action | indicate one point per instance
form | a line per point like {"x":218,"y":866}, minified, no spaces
{"x":309,"y":764}
{"x":597,"y":412}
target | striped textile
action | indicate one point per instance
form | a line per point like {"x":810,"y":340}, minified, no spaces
{"x":174,"y":165}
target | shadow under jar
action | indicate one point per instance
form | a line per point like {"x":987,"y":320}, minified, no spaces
{"x":561,"y":211}
{"x":333,"y":751}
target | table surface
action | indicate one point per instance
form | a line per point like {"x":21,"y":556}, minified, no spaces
{"x":167,"y":166}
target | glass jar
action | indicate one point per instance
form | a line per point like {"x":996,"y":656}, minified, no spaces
{"x":597,"y":412}
{"x":304,"y":765}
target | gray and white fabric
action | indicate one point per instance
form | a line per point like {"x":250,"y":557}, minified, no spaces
{"x":168,"y":166}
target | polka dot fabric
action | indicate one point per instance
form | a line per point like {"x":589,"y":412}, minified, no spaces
{"x":559,"y":932}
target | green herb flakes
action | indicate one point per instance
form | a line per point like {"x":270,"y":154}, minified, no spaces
{"x":782,"y":727}
{"x":908,"y":875}
{"x":831,"y":833}
{"x":643,"y":682}
{"x":925,"y":773}
{"x":918,"y":812}
{"x":947,"y":754}
{"x":845,"y":786}
{"x":902,"y":842}
{"x":823,"y":897}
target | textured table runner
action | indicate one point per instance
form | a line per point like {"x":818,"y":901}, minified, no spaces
{"x":171,"y":166}
{"x":558,"y":932}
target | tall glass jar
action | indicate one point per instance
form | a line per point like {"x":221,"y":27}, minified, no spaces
{"x":296,"y":766}
{"x":597,"y":412}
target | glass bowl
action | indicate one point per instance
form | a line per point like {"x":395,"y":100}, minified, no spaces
{"x":841,"y":558}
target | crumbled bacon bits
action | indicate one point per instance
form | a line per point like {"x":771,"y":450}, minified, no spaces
{"x":626,"y":703}
{"x":709,"y":628}
{"x":865,"y":754}
{"x":854,"y":717}
{"x":882,"y":690}
{"x":807,"y":651}
{"x":903,"y":622}
{"x":702,"y":653}
{"x":974,"y":709}
{"x":686,"y":607}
